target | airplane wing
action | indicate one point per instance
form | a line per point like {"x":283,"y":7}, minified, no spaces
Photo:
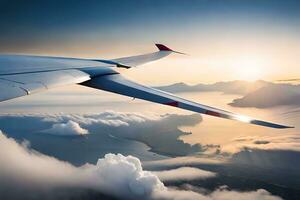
{"x":17,"y":85}
{"x":134,"y":61}
{"x":117,"y":84}
{"x":24,"y":75}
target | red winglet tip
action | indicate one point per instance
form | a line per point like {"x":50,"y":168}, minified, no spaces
{"x":162,"y":47}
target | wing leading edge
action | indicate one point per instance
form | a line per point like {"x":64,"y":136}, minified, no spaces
{"x":117,"y":84}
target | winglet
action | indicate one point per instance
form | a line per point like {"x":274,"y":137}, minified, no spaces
{"x":162,"y":47}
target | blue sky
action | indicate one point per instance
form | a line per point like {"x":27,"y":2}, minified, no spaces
{"x":27,"y":24}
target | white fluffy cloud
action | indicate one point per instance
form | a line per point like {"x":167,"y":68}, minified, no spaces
{"x":69,"y":128}
{"x":123,"y":176}
{"x":27,"y":174}
{"x":184,"y":173}
{"x":25,"y":170}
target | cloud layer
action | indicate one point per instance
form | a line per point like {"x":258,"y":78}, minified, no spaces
{"x":271,"y":95}
{"x":286,"y":142}
{"x":159,"y":132}
{"x":271,"y":152}
{"x":23,"y":170}
{"x":114,"y":132}
{"x":230,"y":87}
{"x":259,"y":94}
{"x":27,"y":174}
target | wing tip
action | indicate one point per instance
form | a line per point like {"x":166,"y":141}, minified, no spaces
{"x":284,"y":127}
{"x":162,"y":47}
{"x":270,"y":124}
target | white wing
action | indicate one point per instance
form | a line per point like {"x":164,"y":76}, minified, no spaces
{"x":118,"y":84}
{"x":17,"y":85}
{"x":22,"y":75}
{"x":134,"y":61}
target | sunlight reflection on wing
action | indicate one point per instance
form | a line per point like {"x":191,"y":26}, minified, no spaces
{"x":243,"y":118}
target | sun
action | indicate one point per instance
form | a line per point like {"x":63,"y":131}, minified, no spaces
{"x":249,"y":68}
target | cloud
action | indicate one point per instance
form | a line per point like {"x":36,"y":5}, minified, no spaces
{"x":287,"y":142}
{"x":276,"y":152}
{"x":27,"y":174}
{"x":184,"y":173}
{"x":160,"y":132}
{"x":271,"y":95}
{"x":123,"y":176}
{"x":230,"y":87}
{"x":26,"y":170}
{"x":178,"y":162}
{"x":261,"y":142}
{"x":226,"y":194}
{"x":114,"y":132}
{"x":69,"y":128}
{"x":222,"y":193}
{"x":259,"y":94}
{"x":173,"y":194}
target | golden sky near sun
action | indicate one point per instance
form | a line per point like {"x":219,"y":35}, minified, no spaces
{"x":210,"y":61}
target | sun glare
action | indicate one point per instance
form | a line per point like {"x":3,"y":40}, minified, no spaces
{"x":243,"y":118}
{"x":249,"y":68}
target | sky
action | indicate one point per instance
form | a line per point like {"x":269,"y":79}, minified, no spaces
{"x":225,"y":40}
